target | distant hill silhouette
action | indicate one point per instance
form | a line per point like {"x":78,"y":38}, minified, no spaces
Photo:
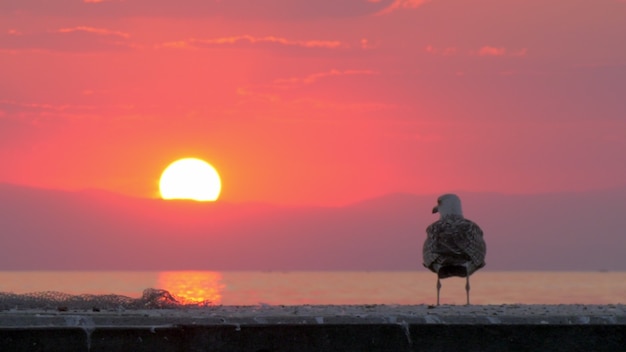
{"x":91,"y":230}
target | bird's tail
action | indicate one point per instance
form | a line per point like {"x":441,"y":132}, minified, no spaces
{"x":452,"y":270}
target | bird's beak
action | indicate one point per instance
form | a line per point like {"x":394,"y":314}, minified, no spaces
{"x":435,"y":210}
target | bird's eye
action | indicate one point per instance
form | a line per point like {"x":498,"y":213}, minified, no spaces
{"x":438,"y":201}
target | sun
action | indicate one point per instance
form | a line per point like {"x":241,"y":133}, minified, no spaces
{"x":190,"y":178}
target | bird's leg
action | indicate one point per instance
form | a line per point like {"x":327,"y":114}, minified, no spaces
{"x":467,"y":285}
{"x":438,"y":288}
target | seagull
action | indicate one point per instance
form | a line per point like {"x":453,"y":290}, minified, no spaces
{"x":454,"y":245}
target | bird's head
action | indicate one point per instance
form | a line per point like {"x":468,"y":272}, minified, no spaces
{"x":448,"y":204}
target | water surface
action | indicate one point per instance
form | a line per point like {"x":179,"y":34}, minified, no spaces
{"x":331,"y":287}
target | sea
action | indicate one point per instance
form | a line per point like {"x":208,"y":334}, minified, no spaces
{"x":244,"y":288}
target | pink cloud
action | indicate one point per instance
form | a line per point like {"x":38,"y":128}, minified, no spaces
{"x":99,"y":31}
{"x":68,"y":39}
{"x":449,"y":51}
{"x":321,"y":75}
{"x":315,"y":92}
{"x":272,"y":39}
{"x":484,"y":51}
{"x":252,"y":40}
{"x":179,"y":44}
{"x":366,"y":44}
{"x":521,"y":52}
{"x":399,"y":5}
{"x":39,"y":112}
{"x":500,"y":51}
{"x":235,"y":9}
{"x":491,"y":51}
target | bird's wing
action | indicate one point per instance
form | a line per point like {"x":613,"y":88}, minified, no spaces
{"x":454,"y":238}
{"x":428,"y":251}
{"x":471,"y":242}
{"x":438,"y":245}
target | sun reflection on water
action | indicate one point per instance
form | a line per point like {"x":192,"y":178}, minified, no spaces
{"x":193,"y":287}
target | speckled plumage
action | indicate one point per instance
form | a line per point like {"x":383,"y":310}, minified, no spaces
{"x":454,"y":245}
{"x":454,"y":242}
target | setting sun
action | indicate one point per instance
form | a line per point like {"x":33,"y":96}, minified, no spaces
{"x":193,"y":287}
{"x":190,"y":178}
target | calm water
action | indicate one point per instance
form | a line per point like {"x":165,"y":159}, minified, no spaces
{"x":288,"y":288}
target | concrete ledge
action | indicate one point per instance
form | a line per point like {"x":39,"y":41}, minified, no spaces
{"x":320,"y":328}
{"x":366,"y":337}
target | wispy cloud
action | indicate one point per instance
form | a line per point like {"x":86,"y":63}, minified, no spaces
{"x":274,"y":10}
{"x":15,"y":106}
{"x":449,"y":51}
{"x":312,"y":78}
{"x":367,"y":44}
{"x":491,"y":51}
{"x":314,"y":92}
{"x":486,"y":50}
{"x":39,"y":110}
{"x":259,"y":100}
{"x":99,"y":31}
{"x":520,"y":52}
{"x":500,"y":51}
{"x":67,"y":39}
{"x":400,"y":5}
{"x":246,"y":40}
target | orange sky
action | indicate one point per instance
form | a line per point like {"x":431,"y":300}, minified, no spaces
{"x":315,"y":102}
